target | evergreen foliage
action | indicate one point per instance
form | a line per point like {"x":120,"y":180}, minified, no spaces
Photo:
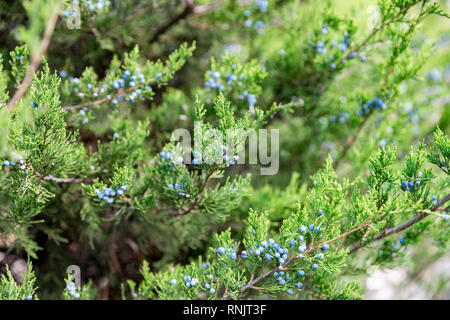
{"x":93,"y":173}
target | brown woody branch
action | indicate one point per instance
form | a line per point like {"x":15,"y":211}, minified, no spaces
{"x":403,"y":226}
{"x":188,"y":9}
{"x":59,"y":180}
{"x":252,"y":283}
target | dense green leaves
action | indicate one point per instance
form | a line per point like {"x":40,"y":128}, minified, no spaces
{"x":126,"y":151}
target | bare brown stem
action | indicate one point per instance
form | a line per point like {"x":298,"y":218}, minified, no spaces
{"x":252,"y":283}
{"x":403,"y":226}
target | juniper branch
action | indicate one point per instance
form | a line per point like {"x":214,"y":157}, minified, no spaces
{"x":196,"y":201}
{"x":60,"y":180}
{"x":366,"y":40}
{"x":367,"y":223}
{"x":296,"y":257}
{"x":403,"y":226}
{"x":36,"y":59}
{"x":102,"y":100}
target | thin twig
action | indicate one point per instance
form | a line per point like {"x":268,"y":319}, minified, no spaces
{"x":188,"y":9}
{"x":350,"y":142}
{"x":352,"y":139}
{"x":317,"y":77}
{"x":367,"y":223}
{"x":65,"y":180}
{"x":36,"y":59}
{"x":198,"y":197}
{"x":252,"y":283}
{"x":99,"y":101}
{"x":403,"y":226}
{"x":59,"y":180}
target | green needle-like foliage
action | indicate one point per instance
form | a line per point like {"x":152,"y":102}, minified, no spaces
{"x":127,"y":146}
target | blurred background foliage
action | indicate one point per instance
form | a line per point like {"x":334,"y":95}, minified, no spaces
{"x":307,"y":135}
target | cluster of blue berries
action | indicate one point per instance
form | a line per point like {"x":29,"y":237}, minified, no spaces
{"x":376,"y":104}
{"x":207,"y":286}
{"x":270,"y":250}
{"x":168,"y":158}
{"x":71,"y":288}
{"x":411,"y":185}
{"x":20,"y":164}
{"x":259,"y":25}
{"x":108,"y":194}
{"x":343,"y":47}
{"x":229,"y":252}
{"x":260,"y":5}
{"x":190,"y":282}
{"x":82,"y":113}
{"x":197,"y":157}
{"x":179,"y":187}
{"x":230,"y":160}
{"x":75,"y":82}
{"x":34,"y":105}
{"x":251,"y":99}
{"x":320,"y":47}
{"x":434,"y":76}
{"x":284,"y":279}
{"x":401,"y":241}
{"x":215,"y":82}
{"x":311,"y":227}
{"x":434,"y":198}
{"x":343,"y":116}
{"x":128,"y":79}
{"x":384,"y":185}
